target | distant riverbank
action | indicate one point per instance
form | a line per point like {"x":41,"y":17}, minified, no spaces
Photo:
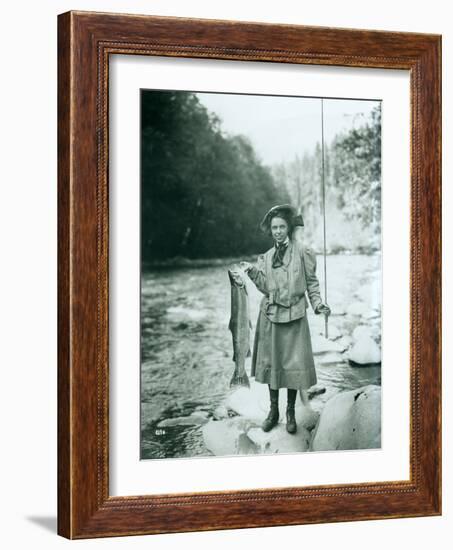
{"x":182,"y":262}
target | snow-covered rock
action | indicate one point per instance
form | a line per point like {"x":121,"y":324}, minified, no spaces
{"x":365,"y":351}
{"x":239,"y":435}
{"x":228,"y":437}
{"x":350,"y":420}
{"x":370,"y":330}
{"x":220,"y":412}
{"x":278,"y":440}
{"x":361,"y":331}
{"x":253,"y":404}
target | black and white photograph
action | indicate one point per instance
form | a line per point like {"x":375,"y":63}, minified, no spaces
{"x":221,"y":222}
{"x":260,"y":274}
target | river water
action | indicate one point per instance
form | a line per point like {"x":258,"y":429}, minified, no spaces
{"x":187,"y":351}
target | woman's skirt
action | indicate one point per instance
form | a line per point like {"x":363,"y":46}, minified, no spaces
{"x":282,"y":354}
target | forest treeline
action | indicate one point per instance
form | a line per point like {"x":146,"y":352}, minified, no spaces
{"x":204,"y":192}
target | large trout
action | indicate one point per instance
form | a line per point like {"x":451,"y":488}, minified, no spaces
{"x":240,"y":326}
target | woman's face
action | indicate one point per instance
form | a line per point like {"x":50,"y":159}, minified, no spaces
{"x":279,"y":229}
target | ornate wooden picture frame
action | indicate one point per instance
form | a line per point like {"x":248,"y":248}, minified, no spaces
{"x":86,"y":41}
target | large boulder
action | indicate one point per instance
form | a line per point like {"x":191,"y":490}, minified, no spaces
{"x":365,"y":351}
{"x":278,"y":440}
{"x":350,"y":420}
{"x":242,"y":434}
{"x":239,"y":436}
{"x":253,"y":404}
{"x":370,"y":330}
{"x":361,"y":331}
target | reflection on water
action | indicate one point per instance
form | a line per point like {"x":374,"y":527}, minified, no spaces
{"x":187,"y":353}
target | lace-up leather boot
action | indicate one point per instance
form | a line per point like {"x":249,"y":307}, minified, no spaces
{"x":291,"y":426}
{"x":272,"y":418}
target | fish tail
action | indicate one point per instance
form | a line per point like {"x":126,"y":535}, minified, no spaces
{"x":238,"y":380}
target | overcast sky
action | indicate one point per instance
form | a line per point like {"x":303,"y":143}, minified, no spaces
{"x":281,"y":127}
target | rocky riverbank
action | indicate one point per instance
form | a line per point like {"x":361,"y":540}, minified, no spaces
{"x":349,"y":420}
{"x":187,"y":359}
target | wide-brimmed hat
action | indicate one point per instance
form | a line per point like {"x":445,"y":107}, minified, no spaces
{"x":286,"y":210}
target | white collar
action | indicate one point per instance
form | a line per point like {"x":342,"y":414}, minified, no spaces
{"x":286,"y":241}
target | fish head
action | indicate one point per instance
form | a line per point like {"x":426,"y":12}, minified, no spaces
{"x":237,"y":276}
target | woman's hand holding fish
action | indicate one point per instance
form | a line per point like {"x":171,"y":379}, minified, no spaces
{"x":237,"y":277}
{"x":246,"y":266}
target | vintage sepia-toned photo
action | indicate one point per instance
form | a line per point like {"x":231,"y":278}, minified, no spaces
{"x":260,"y":274}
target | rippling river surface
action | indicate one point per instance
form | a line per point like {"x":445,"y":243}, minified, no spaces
{"x":187,"y":351}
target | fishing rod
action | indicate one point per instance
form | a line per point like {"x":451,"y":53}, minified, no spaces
{"x":326,"y":317}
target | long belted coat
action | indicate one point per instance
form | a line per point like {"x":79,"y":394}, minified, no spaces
{"x":282,"y":353}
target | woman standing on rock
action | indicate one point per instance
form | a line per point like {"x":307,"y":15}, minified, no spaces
{"x":282,"y":352}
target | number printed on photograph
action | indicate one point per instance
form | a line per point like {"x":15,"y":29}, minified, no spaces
{"x":260,"y":274}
